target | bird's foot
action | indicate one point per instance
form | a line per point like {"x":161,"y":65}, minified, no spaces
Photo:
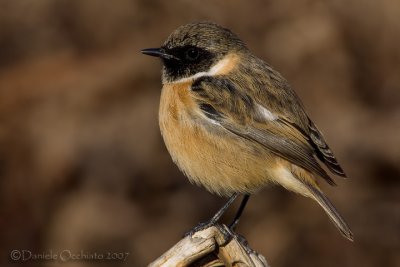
{"x":225,"y":233}
{"x":242,"y":240}
{"x":233,"y":225}
{"x":200,"y":227}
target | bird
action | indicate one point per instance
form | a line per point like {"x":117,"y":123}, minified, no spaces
{"x":233,"y":124}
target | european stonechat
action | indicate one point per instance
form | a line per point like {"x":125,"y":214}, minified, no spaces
{"x":233,"y":124}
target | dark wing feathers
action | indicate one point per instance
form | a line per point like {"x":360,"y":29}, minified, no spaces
{"x":323,"y":151}
{"x":234,"y":110}
{"x":210,"y":111}
{"x":317,"y":141}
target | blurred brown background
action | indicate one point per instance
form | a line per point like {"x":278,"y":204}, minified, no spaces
{"x":82,"y":163}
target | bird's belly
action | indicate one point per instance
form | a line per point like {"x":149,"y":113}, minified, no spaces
{"x":208,"y":154}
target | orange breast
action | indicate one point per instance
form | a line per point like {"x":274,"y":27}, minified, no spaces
{"x":208,"y":154}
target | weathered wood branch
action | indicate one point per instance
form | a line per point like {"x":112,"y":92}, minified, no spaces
{"x":213,"y":246}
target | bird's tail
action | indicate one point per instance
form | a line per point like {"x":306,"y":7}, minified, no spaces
{"x":333,"y":214}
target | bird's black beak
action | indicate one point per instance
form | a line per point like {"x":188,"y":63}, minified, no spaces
{"x":158,"y":52}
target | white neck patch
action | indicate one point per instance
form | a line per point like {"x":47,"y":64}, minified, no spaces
{"x":222,"y":66}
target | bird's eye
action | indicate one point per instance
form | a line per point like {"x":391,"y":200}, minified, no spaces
{"x":192,"y":54}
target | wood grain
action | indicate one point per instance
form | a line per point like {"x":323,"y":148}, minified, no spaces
{"x":213,"y":246}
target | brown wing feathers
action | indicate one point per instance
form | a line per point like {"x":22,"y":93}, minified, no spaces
{"x":221,"y":101}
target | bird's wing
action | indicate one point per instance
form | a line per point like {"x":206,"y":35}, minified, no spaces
{"x":323,"y":152}
{"x":221,"y":101}
{"x":289,"y":108}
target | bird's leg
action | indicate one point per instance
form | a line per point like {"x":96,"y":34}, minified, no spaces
{"x":215,"y":218}
{"x":222,"y":210}
{"x":236,"y":219}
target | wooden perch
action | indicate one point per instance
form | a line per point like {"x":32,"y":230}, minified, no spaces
{"x":214,"y":246}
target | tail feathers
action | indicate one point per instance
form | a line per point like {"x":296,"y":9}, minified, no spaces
{"x":333,"y":214}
